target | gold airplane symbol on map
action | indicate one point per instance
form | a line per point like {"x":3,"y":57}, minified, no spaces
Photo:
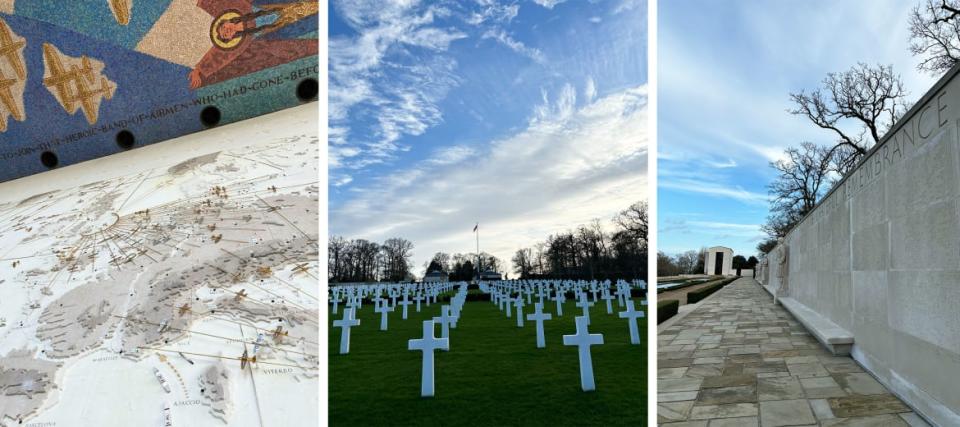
{"x":245,"y":359}
{"x":279,"y":333}
{"x":6,"y":98}
{"x":240,"y":295}
{"x":10,"y":50}
{"x":301,"y":268}
{"x":81,"y":77}
{"x":183,"y":309}
{"x":121,"y":11}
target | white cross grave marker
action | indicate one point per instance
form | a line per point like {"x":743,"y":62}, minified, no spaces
{"x":345,"y":324}
{"x":383,"y":308}
{"x":609,"y":299}
{"x":632,"y":315}
{"x":427,"y":345}
{"x":585,"y":305}
{"x":418,"y":298}
{"x":444,"y":320}
{"x":539,"y":316}
{"x":583,"y":340}
{"x":404,"y":302}
{"x":519,"y":305}
{"x":559,"y":300}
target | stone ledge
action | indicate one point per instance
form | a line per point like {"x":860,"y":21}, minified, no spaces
{"x":836,"y":339}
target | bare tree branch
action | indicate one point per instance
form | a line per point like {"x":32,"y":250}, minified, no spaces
{"x":935,"y":35}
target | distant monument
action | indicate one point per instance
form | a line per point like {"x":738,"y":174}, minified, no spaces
{"x":436,"y":277}
{"x":490,"y":275}
{"x":719,"y":261}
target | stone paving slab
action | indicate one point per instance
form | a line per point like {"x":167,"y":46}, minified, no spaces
{"x":741,"y":360}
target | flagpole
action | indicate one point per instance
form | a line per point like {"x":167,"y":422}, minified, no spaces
{"x":477,"y":229}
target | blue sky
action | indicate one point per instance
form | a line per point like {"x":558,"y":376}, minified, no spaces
{"x":526,"y":116}
{"x":725,"y":71}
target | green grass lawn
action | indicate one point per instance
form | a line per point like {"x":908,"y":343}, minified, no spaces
{"x":493,"y":375}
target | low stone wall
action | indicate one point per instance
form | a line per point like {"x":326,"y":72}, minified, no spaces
{"x":880,"y":257}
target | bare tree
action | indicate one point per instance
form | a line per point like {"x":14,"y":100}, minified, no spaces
{"x":635,"y":221}
{"x":765,"y":246}
{"x":336,"y":251}
{"x":935,"y":35}
{"x":523,"y":262}
{"x":686,"y":262}
{"x":396,"y":258}
{"x":802,"y":180}
{"x":666,"y":265}
{"x":490,"y":263}
{"x":439,"y":262}
{"x":871,"y":97}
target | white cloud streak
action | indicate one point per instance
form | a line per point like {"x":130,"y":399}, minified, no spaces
{"x":356,"y":75}
{"x":505,"y":39}
{"x":568,"y":166}
{"x":549,"y":4}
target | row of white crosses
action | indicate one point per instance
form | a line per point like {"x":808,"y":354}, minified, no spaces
{"x":501,"y":294}
{"x":385,"y":298}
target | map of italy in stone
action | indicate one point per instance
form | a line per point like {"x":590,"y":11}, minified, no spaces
{"x":183,"y":295}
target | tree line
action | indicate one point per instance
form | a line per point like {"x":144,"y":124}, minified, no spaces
{"x":588,"y":252}
{"x":361,"y":260}
{"x":856,"y":108}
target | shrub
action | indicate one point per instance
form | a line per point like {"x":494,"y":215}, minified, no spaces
{"x":698,"y":295}
{"x":667,"y":309}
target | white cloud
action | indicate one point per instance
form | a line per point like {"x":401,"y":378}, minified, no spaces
{"x":559,"y":110}
{"x":451,"y":155}
{"x":596,"y":19}
{"x":493,"y":11}
{"x":711,"y":189}
{"x":590,"y":91}
{"x":567,"y":167}
{"x":729,"y":163}
{"x":752,"y":228}
{"x":340,"y":180}
{"x":549,"y":4}
{"x":501,"y":36}
{"x":627,"y":5}
{"x":356,"y":73}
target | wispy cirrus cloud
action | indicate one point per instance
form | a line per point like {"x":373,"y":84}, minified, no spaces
{"x":505,"y":39}
{"x":388,"y":36}
{"x":572,"y":163}
{"x":549,"y":4}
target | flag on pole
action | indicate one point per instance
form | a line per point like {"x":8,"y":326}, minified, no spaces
{"x":475,"y":227}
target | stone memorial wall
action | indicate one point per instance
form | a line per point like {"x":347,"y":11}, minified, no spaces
{"x":880,"y":258}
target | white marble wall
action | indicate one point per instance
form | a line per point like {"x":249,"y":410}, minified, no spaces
{"x":880,"y":256}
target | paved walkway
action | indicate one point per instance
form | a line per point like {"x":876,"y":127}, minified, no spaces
{"x":741,"y":360}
